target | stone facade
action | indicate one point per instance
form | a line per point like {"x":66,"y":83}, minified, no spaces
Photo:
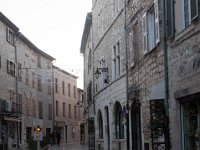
{"x":160,"y":84}
{"x":25,"y":70}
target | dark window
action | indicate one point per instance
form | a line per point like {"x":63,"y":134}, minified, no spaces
{"x":74,"y":91}
{"x":10,"y":68}
{"x":33,"y":79}
{"x":10,"y":36}
{"x":39,"y":83}
{"x":100,"y":125}
{"x":40,"y":110}
{"x":50,"y":111}
{"x":64,"y":112}
{"x":63,"y":88}
{"x":69,"y":90}
{"x":56,"y":84}
{"x":56,"y":108}
{"x":70,"y":111}
{"x":39,"y":61}
{"x":19,"y":103}
{"x":49,"y":86}
{"x":19,"y":71}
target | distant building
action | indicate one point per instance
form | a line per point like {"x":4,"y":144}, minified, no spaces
{"x":67,"y":111}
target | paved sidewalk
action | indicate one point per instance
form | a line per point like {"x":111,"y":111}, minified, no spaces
{"x":67,"y":146}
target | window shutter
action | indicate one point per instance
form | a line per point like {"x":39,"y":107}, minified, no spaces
{"x":170,"y":18}
{"x":157,"y":33}
{"x":144,"y":33}
{"x":8,"y":66}
{"x":194,"y":9}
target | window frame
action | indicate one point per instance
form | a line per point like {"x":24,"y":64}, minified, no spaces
{"x":147,"y":25}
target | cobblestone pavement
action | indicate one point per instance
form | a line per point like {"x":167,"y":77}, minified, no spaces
{"x":69,"y":147}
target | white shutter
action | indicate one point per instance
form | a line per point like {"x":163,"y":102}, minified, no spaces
{"x":157,"y":32}
{"x":144,"y":33}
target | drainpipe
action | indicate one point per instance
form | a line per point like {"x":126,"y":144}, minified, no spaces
{"x":166,"y":77}
{"x":127,"y":98}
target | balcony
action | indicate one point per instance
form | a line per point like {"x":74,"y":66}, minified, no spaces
{"x":9,"y":108}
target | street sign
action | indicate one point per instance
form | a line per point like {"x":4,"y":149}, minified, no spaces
{"x":38,"y":136}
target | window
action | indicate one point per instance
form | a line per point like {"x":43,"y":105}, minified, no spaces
{"x":190,"y":11}
{"x":56,"y":85}
{"x":89,"y":61}
{"x":49,"y":86}
{"x":133,"y":44}
{"x":74,"y":91}
{"x":50,"y":111}
{"x":64,"y":112}
{"x":33,"y":79}
{"x":119,"y":127}
{"x":185,"y":12}
{"x":63,"y":88}
{"x":150,"y":28}
{"x":70,"y":111}
{"x":27,"y":105}
{"x":11,"y":95}
{"x":74,"y":111}
{"x":39,"y":61}
{"x":89,"y":92}
{"x":191,"y":124}
{"x":116,"y":60}
{"x":19,"y":71}
{"x":57,"y":108}
{"x":10,"y":36}
{"x":34,"y":107}
{"x":10,"y":68}
{"x":27,"y":75}
{"x":19,"y":103}
{"x":100,"y":125}
{"x":170,"y":18}
{"x":39,"y":83}
{"x":69,"y":90}
{"x":40,"y":110}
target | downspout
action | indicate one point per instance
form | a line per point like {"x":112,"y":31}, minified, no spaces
{"x":127,"y":97}
{"x":166,"y":77}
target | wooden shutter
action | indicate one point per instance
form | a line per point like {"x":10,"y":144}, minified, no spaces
{"x":194,"y":9}
{"x":157,"y":32}
{"x":170,"y":18}
{"x":144,"y":33}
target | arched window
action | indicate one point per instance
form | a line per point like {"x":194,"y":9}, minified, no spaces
{"x":119,"y":127}
{"x":100,"y":125}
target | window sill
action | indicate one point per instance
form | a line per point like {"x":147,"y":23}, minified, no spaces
{"x":184,"y":33}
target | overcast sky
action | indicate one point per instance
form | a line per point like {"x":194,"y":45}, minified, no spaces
{"x":54,"y":26}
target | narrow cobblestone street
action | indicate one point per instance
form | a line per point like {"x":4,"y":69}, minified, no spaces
{"x":69,"y":147}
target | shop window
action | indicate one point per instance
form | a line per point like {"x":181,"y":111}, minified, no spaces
{"x":191,"y":124}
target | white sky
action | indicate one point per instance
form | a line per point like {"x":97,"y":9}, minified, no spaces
{"x":54,"y":26}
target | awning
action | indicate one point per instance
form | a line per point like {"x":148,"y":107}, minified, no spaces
{"x":14,"y":119}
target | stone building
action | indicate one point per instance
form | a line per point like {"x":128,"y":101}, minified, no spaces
{"x":66,"y":111}
{"x":184,"y":74}
{"x":103,"y":46}
{"x":88,"y":103}
{"x":145,"y":62}
{"x":25,"y":91}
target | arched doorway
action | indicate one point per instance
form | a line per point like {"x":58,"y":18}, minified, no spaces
{"x":136,"y":126}
{"x":107,"y":127}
